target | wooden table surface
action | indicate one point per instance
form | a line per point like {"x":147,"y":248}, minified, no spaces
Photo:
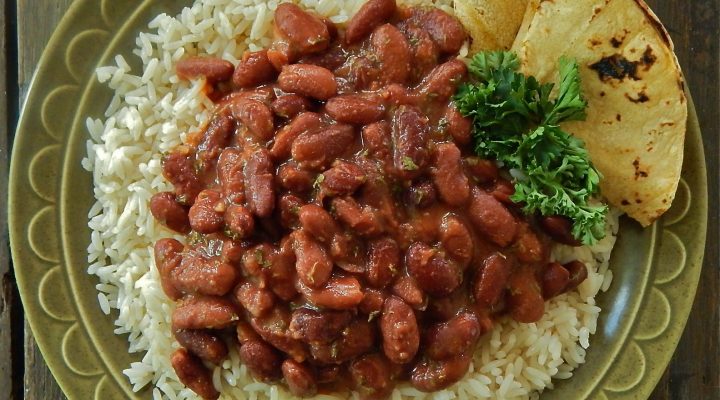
{"x":694,"y":373}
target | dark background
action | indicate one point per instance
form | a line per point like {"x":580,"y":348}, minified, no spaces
{"x":694,"y":372}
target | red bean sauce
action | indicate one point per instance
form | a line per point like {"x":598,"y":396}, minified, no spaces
{"x":340,"y":229}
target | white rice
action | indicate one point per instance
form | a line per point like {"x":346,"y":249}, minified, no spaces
{"x":150,"y":113}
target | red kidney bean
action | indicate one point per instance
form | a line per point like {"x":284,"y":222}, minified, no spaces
{"x":257,"y":301}
{"x":305,"y":122}
{"x":441,"y":82}
{"x":213,"y":69}
{"x":434,"y":273}
{"x":445,"y":308}
{"x":422,"y":195}
{"x":459,"y":127}
{"x":491,"y":281}
{"x":357,"y":339}
{"x":239,"y":221}
{"x":203,"y":344}
{"x":256,"y":258}
{"x":308,"y":80}
{"x":446,"y":30}
{"x":246,"y":333}
{"x":578,"y":273}
{"x":231,"y":252}
{"x":491,"y":218}
{"x":216,"y":137}
{"x":261,"y":359}
{"x":362,"y":220}
{"x":179,"y":169}
{"x":399,"y":95}
{"x":294,"y":179}
{"x":255,"y":116}
{"x":526,"y":301}
{"x":376,"y":139}
{"x":430,"y":376}
{"x":348,"y":253}
{"x":313,"y":326}
{"x":555,"y":279}
{"x":273,"y":328}
{"x":449,"y":178}
{"x":313,"y":264}
{"x":359,"y":109}
{"x":207,"y":214}
{"x":327,"y":373}
{"x":199,"y":273}
{"x":343,"y":179}
{"x":410,"y":135}
{"x":528,"y":247}
{"x":193,"y":374}
{"x":318,"y":223}
{"x":254,"y":69}
{"x":306,"y":33}
{"x":559,"y":228}
{"x":384,"y":262}
{"x":281,"y":271}
{"x":371,"y":15}
{"x":169,"y":212}
{"x":372,"y":302}
{"x":229,"y":169}
{"x":290,"y":205}
{"x":204,"y":312}
{"x":406,"y":288}
{"x":503,"y":190}
{"x":425,"y":52}
{"x":456,"y":239}
{"x":393,"y":53}
{"x":317,"y":150}
{"x":289,"y":105}
{"x":452,"y":338}
{"x":371,"y":375}
{"x":299,"y":378}
{"x":168,"y":256}
{"x":483,"y":171}
{"x":340,"y":293}
{"x":400,"y":333}
{"x":259,"y":183}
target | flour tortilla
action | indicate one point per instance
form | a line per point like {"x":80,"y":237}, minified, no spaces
{"x":637,"y":111}
{"x":492,"y":24}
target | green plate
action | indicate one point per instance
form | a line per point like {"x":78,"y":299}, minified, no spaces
{"x":656,"y":269}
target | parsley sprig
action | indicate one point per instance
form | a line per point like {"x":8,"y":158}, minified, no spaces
{"x":515,"y":121}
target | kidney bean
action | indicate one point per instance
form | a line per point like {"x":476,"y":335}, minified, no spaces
{"x":273,"y":328}
{"x":503,"y":190}
{"x":578,"y":273}
{"x":452,"y":338}
{"x":313,"y":326}
{"x":399,"y":95}
{"x":491,"y":281}
{"x":422,"y":195}
{"x":343,"y":179}
{"x":372,"y":302}
{"x":289,"y":105}
{"x":169,"y":212}
{"x":295,"y":179}
{"x":406,"y":288}
{"x":555,"y":279}
{"x":456,"y":240}
{"x":231,"y":252}
{"x":445,"y":30}
{"x":204,"y":312}
{"x":290,"y":205}
{"x":384,"y":262}
{"x":327,"y":373}
{"x":256,"y":258}
{"x":259,"y":187}
{"x":281,"y":271}
{"x":371,"y":15}
{"x":362,"y":220}
{"x":168,"y":256}
{"x":410,"y":135}
{"x":308,"y":80}
{"x":213,"y":69}
{"x":203,"y":344}
{"x":528,"y":247}
{"x":318,"y":223}
{"x":371,"y":375}
{"x":340,"y":293}
{"x":317,"y":150}
{"x":449,"y":178}
{"x":261,"y":359}
{"x":434,"y":273}
{"x":207,"y":214}
{"x":399,"y":328}
{"x":491,"y":218}
{"x":357,"y":339}
{"x":179,"y":169}
{"x":264,"y":94}
{"x":559,"y":228}
{"x":306,"y":33}
{"x":348,"y":253}
{"x":257,"y":301}
{"x":441,"y":82}
{"x":254,"y":69}
{"x":430,"y":375}
{"x":229,"y":170}
{"x":239,"y":221}
{"x":305,"y":122}
{"x":313,"y":264}
{"x":193,"y":374}
{"x":393,"y":53}
{"x":445,"y":308}
{"x":526,"y":301}
{"x":255,"y":116}
{"x":199,"y":273}
{"x":359,"y":109}
{"x":483,"y":171}
{"x":425,"y":52}
{"x":299,"y":378}
{"x":459,"y":127}
{"x":216,"y":137}
{"x":376,"y":139}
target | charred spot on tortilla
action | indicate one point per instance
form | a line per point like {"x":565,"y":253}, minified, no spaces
{"x":618,"y":67}
{"x":625,"y":202}
{"x":638,"y":172}
{"x":641,"y":98}
{"x":618,"y":117}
